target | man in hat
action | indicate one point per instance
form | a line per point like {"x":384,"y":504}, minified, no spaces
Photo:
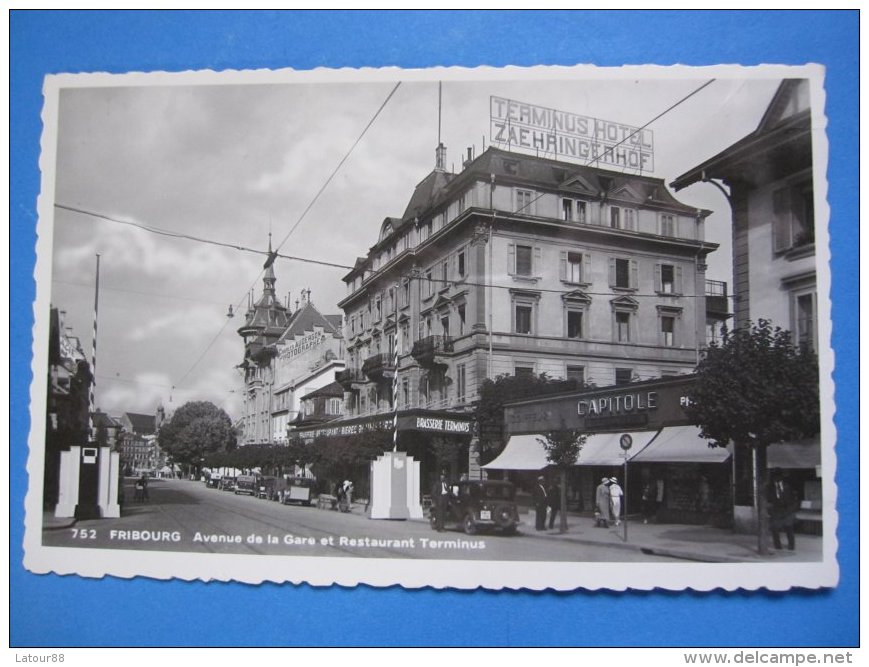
{"x":782,"y":506}
{"x":539,"y":496}
{"x":602,"y":502}
{"x":616,"y":494}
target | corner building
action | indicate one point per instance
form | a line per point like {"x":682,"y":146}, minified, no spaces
{"x":520,"y":264}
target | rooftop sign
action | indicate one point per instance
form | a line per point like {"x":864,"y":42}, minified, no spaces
{"x":521,"y":126}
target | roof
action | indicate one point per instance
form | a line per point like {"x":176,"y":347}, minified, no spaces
{"x":306,"y":319}
{"x":103,"y":420}
{"x":440,"y":187}
{"x":781,"y":138}
{"x":332,"y":390}
{"x":141,"y":423}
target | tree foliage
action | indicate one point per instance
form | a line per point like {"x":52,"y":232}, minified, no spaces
{"x":563,"y":446}
{"x":756,"y":388}
{"x":196,"y":429}
{"x":504,"y":388}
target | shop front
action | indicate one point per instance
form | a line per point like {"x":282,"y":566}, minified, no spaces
{"x":673,"y":475}
{"x":438,"y":440}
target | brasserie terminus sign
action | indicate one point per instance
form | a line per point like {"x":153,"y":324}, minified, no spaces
{"x":520,"y":126}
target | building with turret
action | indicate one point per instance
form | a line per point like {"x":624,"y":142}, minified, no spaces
{"x":287,"y":353}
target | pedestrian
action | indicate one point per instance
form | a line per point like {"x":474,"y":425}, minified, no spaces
{"x":553,"y":496}
{"x":339,"y":496}
{"x":616,"y":494}
{"x":139,"y":495}
{"x":602,"y":503}
{"x":440,"y":494}
{"x":348,"y":494}
{"x":540,"y":503}
{"x":648,"y":500}
{"x":782,"y":506}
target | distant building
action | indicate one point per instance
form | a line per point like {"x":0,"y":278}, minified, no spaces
{"x":140,"y":450}
{"x":767,"y":178}
{"x":287,"y":354}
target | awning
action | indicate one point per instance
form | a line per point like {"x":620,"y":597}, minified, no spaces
{"x":681,"y":444}
{"x":603,"y":449}
{"x":523,"y":452}
{"x":793,"y":455}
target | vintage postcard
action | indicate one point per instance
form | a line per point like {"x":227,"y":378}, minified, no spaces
{"x":503,"y":328}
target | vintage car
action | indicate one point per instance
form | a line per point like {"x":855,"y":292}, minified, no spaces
{"x":212,"y":481}
{"x":476,"y":505}
{"x":226,"y":483}
{"x":299,"y":490}
{"x":248,"y":484}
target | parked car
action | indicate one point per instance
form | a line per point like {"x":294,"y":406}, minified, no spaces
{"x":248,"y":484}
{"x":213,"y":481}
{"x":477,"y":505}
{"x":299,"y":490}
{"x":267,"y":488}
{"x":226,"y":484}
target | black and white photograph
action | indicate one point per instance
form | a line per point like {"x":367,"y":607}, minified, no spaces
{"x":549,"y":327}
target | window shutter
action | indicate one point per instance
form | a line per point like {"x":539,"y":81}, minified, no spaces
{"x":634,"y":280}
{"x":658,"y":284}
{"x":612,"y":271}
{"x":677,"y":278}
{"x":586,"y":267}
{"x":781,"y":228}
{"x":511,"y":258}
{"x":562,"y":265}
{"x":536,"y":262}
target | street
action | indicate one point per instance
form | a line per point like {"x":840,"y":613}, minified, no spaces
{"x":187,"y":516}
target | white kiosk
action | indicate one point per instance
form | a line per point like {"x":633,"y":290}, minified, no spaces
{"x":394,"y":487}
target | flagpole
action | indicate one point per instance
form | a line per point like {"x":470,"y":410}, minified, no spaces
{"x":92,"y":394}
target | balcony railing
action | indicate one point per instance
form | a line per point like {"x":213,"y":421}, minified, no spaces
{"x":427,"y":351}
{"x":379,"y":366}
{"x":716,"y":297}
{"x":349,"y":376}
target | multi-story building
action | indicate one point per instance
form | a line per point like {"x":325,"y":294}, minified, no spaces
{"x":287,"y":354}
{"x":768,"y":181}
{"x":139,"y":450}
{"x":520,"y":264}
{"x":69,"y":382}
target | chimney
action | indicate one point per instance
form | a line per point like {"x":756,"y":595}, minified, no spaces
{"x":441,"y":158}
{"x":469,"y":159}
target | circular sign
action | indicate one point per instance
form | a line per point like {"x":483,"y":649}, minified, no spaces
{"x":626,"y":441}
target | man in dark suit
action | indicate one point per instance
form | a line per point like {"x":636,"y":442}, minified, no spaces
{"x":782,"y":506}
{"x":539,"y":497}
{"x":440,"y":495}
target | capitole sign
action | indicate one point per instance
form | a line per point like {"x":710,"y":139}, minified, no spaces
{"x":568,"y":135}
{"x":618,"y":404}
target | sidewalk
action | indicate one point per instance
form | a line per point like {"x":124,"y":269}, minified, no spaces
{"x":697,"y":543}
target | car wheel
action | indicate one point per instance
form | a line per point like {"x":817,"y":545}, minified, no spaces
{"x":469,"y":525}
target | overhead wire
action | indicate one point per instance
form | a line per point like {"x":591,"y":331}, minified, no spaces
{"x":198,"y":239}
{"x":295,"y":226}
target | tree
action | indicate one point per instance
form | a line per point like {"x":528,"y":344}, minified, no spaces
{"x":196,"y":429}
{"x":494,"y":393}
{"x":754,"y":389}
{"x":563,"y":447}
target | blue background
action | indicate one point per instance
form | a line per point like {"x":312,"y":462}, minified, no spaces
{"x":70,"y":611}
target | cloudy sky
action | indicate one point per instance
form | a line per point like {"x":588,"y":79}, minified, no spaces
{"x":231,"y":162}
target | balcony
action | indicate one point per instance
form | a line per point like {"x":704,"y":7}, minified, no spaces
{"x":430,"y":351}
{"x":379,"y":367}
{"x":716,"y":298}
{"x":348,"y":377}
